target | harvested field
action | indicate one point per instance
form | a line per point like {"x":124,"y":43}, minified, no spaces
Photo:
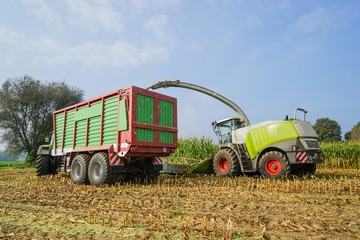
{"x":326,"y":206}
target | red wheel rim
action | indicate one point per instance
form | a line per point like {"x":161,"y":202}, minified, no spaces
{"x":273,"y":166}
{"x":223,"y":164}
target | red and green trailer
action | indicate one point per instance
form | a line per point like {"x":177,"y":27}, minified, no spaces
{"x":124,"y":133}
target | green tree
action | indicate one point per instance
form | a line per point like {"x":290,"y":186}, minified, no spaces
{"x":347,"y":136}
{"x":26,"y":108}
{"x":355,"y":132}
{"x":327,"y":129}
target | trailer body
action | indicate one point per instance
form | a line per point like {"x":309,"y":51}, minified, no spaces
{"x":131,"y":126}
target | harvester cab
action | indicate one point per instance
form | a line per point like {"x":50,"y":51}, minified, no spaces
{"x":272,"y":148}
{"x":224,"y":128}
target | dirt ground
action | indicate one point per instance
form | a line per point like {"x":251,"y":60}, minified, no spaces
{"x":326,"y":206}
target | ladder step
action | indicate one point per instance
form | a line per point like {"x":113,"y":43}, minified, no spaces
{"x":246,"y":164}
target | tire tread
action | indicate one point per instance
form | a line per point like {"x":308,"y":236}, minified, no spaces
{"x":107,"y":179}
{"x":234,"y":162}
{"x":286,"y":167}
{"x":42,"y":165}
{"x":85,"y":160}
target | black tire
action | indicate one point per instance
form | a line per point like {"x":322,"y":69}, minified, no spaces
{"x":301,"y":170}
{"x":43,"y":165}
{"x":150,"y":172}
{"x":54,"y":166}
{"x":274,"y":164}
{"x":79,"y":169}
{"x":99,"y":169}
{"x":311,"y":168}
{"x":226,"y":163}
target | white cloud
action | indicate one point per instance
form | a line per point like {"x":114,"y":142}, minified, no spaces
{"x":317,"y":19}
{"x":41,"y":10}
{"x":157,"y":25}
{"x":154,"y":53}
{"x":47,"y":51}
{"x":118,"y":54}
{"x":45,"y":45}
{"x":49,"y":48}
{"x":94,"y":15}
{"x":8,"y":37}
{"x":9,"y":45}
{"x":143,"y":4}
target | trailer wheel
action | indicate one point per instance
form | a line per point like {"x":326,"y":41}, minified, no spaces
{"x":274,"y":164}
{"x":42,"y":165}
{"x":151,"y":170}
{"x":226,"y":163}
{"x":99,"y":169}
{"x":79,"y":168}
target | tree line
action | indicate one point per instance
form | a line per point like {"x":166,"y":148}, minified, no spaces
{"x":27,"y":105}
{"x":329,"y":130}
{"x":26,"y":109}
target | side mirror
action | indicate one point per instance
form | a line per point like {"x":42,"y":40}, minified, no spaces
{"x":47,"y":139}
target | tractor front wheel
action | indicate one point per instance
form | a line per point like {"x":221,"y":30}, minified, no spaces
{"x":226,"y":163}
{"x":42,"y":165}
{"x":79,"y":169}
{"x":274,"y":164}
{"x":99,"y":169}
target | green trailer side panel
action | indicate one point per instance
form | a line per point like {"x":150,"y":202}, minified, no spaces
{"x":123,"y":120}
{"x":69,"y":129}
{"x":144,"y":114}
{"x":94,"y":131}
{"x":89,"y":112}
{"x":144,"y":135}
{"x":110,"y":120}
{"x":144,"y":109}
{"x":80,"y":139}
{"x":59,"y":126}
{"x":166,"y":137}
{"x":166,"y":117}
{"x":259,"y":138}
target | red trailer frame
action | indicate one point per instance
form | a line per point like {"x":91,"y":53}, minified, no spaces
{"x":127,"y":143}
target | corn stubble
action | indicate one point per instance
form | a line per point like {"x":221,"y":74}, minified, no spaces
{"x":176,"y":207}
{"x":326,"y":205}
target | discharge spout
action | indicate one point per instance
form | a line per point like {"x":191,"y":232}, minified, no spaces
{"x":221,"y":98}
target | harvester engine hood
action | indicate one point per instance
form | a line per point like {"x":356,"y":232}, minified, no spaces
{"x":305,"y":129}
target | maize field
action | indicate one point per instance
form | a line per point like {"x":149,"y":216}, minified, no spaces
{"x":336,"y":154}
{"x":193,"y":150}
{"x":323,"y":206}
{"x":341,"y":154}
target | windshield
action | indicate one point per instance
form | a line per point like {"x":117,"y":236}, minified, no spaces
{"x":225,"y":128}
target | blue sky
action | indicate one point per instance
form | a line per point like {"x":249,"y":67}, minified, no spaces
{"x":269,"y":57}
